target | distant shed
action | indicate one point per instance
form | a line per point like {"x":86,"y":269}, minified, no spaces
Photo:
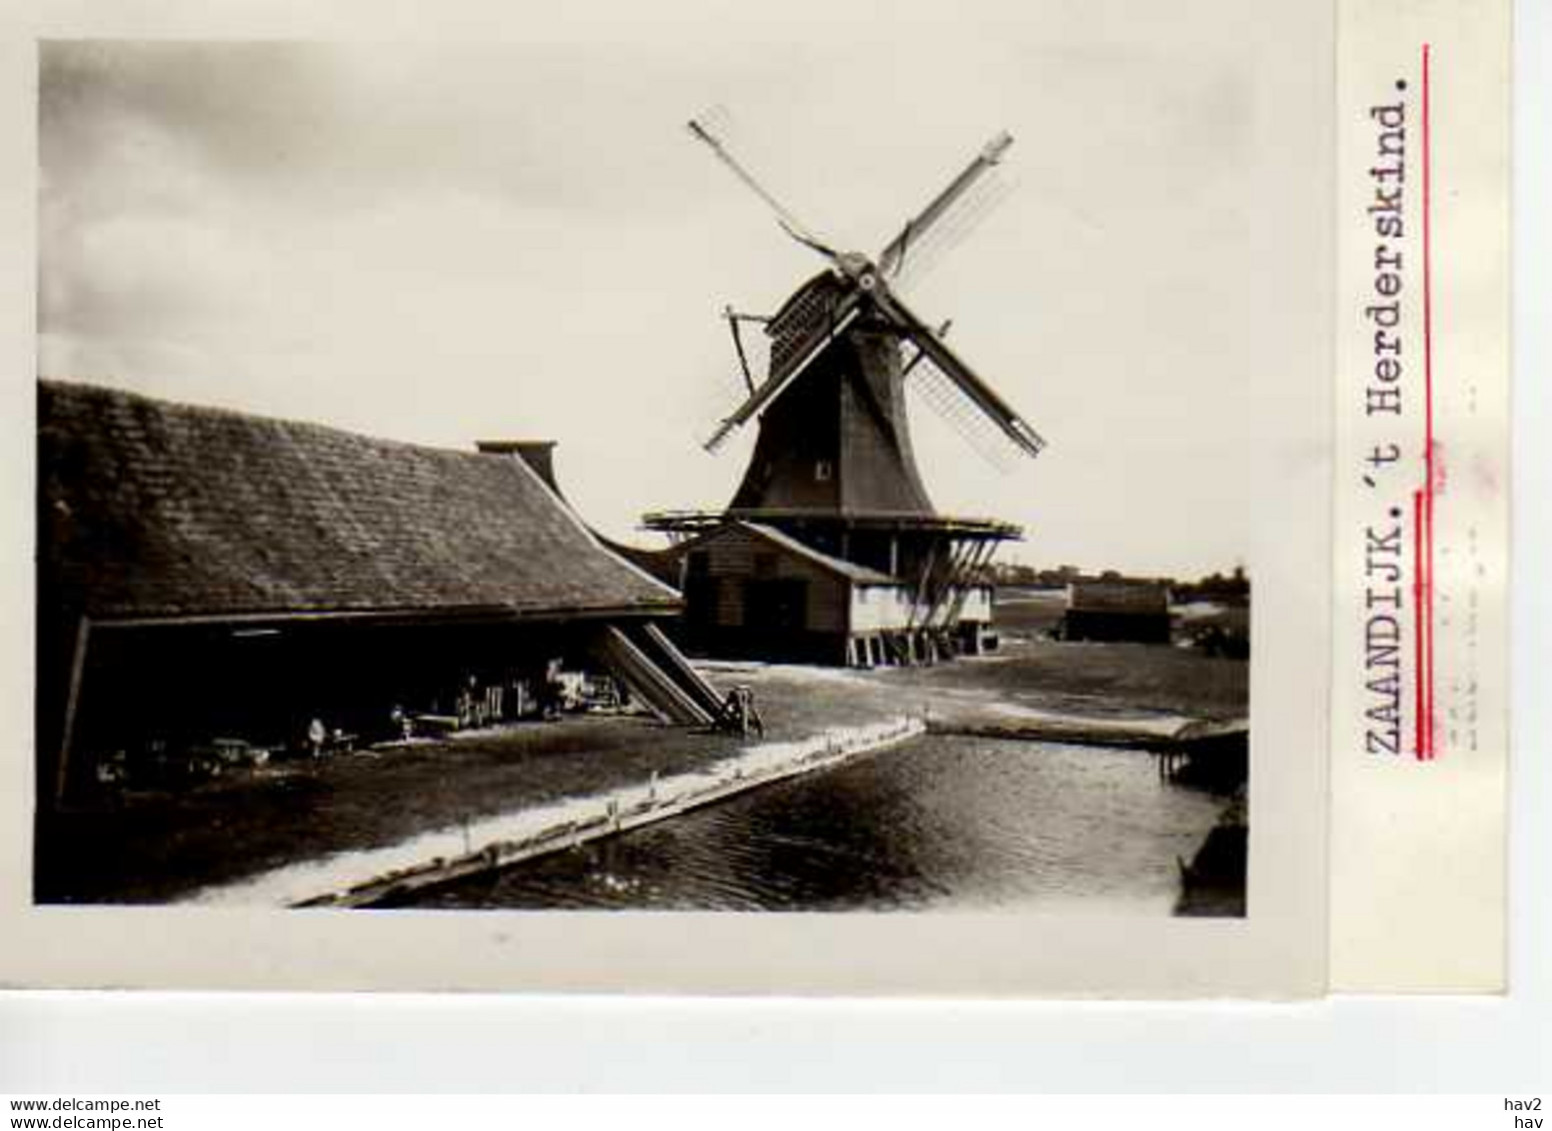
{"x":204,"y":572}
{"x":1135,"y":611}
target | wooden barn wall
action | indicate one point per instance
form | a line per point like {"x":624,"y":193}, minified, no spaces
{"x":732,"y":560}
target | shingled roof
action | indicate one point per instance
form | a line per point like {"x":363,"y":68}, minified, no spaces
{"x":149,"y":509}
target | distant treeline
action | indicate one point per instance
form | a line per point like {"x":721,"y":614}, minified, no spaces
{"x":1224,"y":589}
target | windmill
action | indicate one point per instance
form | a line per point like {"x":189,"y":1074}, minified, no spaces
{"x":833,"y":469}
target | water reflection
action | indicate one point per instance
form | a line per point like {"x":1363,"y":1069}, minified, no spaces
{"x":943,"y":823}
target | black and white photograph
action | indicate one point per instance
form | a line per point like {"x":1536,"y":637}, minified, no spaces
{"x":282,"y":657}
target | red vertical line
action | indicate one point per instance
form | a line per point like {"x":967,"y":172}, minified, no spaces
{"x":1428,"y":440}
{"x":1427,"y":625}
{"x":1419,"y":629}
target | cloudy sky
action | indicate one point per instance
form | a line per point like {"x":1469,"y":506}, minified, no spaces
{"x":446,"y":242}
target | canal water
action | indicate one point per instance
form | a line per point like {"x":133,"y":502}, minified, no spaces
{"x":943,"y":822}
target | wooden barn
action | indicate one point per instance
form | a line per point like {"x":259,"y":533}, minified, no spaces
{"x":209,"y":577}
{"x":751,"y":589}
{"x":1136,"y":611}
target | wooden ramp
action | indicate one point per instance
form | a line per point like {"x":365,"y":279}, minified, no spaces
{"x":661,"y":650}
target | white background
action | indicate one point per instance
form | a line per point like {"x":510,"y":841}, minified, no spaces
{"x":148,"y":1043}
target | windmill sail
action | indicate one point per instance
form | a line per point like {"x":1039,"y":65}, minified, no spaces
{"x":976,"y":390}
{"x":800,"y":332}
{"x":964,"y":217}
{"x":929,"y":386}
{"x":778,"y":383}
{"x":890,"y":260}
{"x":789,"y":223}
{"x":855,"y":289}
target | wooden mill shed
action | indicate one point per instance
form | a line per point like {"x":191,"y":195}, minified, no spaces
{"x":203,"y":573}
